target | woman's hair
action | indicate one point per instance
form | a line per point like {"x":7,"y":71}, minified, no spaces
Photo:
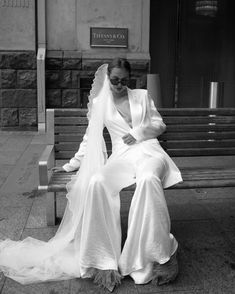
{"x":119,"y":63}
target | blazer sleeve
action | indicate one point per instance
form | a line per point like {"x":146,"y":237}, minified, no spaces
{"x":152,"y":124}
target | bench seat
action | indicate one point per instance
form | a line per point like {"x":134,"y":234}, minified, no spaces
{"x":193,"y":178}
{"x":196,"y":133}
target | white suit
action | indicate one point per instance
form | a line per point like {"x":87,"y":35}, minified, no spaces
{"x":144,"y":163}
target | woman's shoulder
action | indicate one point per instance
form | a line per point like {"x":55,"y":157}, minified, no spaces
{"x":139,"y":93}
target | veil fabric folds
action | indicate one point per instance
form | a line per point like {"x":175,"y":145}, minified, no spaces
{"x":31,"y":260}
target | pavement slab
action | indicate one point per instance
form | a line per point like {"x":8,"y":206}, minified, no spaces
{"x":24,"y":176}
{"x":9,"y":157}
{"x":4,"y":172}
{"x":216,"y":268}
{"x":12,"y":287}
{"x":12,"y":221}
{"x":43,"y":234}
{"x":203,"y":222}
{"x":18,"y":143}
{"x":15,"y":199}
{"x":2,"y":280}
{"x":188,"y":280}
{"x":215,"y":193}
{"x":199,"y":234}
{"x":37,"y":217}
{"x":85,"y":286}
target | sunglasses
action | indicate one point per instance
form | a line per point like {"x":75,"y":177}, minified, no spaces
{"x":116,"y":81}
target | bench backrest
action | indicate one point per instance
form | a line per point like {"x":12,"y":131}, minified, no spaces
{"x":190,"y":132}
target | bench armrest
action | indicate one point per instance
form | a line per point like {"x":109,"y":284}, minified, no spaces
{"x":46,"y":162}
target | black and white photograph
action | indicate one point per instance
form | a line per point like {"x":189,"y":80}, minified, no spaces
{"x":117,"y":146}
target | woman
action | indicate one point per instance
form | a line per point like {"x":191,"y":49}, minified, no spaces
{"x":88,"y":241}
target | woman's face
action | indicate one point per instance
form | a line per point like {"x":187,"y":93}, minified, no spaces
{"x":119,"y":78}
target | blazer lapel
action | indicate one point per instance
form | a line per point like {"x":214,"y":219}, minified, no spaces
{"x":135,"y":108}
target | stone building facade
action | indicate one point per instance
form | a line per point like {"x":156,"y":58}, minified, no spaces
{"x":62,"y":28}
{"x":69,"y":77}
{"x":18,"y":94}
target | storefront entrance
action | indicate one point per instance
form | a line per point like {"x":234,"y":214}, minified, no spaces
{"x":190,"y":50}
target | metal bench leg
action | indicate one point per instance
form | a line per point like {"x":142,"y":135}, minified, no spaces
{"x":51,"y":208}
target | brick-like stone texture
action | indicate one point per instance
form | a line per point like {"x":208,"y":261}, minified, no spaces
{"x":75,"y":79}
{"x":54,"y":63}
{"x":69,"y":78}
{"x":18,"y":60}
{"x":66,"y":79}
{"x":9,"y":98}
{"x":27,"y":97}
{"x":93,"y":64}
{"x":18,"y":83}
{"x":9,"y":117}
{"x":72,"y":63}
{"x":26,"y":79}
{"x":53,"y":79}
{"x":53,"y":98}
{"x":28,"y":117}
{"x":70,"y":98}
{"x":8,"y":78}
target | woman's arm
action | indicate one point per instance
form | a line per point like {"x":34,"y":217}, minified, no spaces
{"x":152,"y":125}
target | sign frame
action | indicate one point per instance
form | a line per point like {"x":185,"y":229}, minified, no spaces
{"x":107,"y":37}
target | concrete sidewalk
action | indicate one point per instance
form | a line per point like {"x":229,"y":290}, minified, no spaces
{"x":203,"y":221}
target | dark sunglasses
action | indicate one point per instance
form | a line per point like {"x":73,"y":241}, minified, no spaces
{"x":116,"y":81}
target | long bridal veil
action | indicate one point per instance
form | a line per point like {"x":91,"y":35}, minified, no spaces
{"x":31,"y":260}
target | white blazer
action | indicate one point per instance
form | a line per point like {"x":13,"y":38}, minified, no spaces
{"x":147,"y":125}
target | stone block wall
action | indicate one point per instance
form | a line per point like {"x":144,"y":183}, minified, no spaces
{"x":18,"y":90}
{"x":69,"y":76}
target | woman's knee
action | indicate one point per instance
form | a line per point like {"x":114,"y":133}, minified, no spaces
{"x":97,"y":179}
{"x":147,"y":177}
{"x":153,"y":168}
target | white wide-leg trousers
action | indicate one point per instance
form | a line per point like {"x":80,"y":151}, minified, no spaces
{"x":148,"y":236}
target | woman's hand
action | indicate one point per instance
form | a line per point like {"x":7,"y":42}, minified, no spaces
{"x":58,"y":169}
{"x":129,"y":139}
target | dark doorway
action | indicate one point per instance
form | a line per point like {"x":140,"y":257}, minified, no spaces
{"x":190,"y":51}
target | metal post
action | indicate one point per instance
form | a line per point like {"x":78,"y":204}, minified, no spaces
{"x":154,"y":89}
{"x":41,"y":56}
{"x":213,"y":103}
{"x":214,"y":95}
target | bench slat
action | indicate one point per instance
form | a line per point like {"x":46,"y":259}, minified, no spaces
{"x":163,"y":111}
{"x":70,"y":129}
{"x":71,"y":146}
{"x":196,"y":111}
{"x":200,"y":128}
{"x":202,"y":177}
{"x":196,"y":135}
{"x":198,"y":120}
{"x":62,"y":138}
{"x":201,"y":152}
{"x":70,"y":112}
{"x":73,"y":120}
{"x":197,"y":144}
{"x":66,"y":155}
{"x":74,"y":146}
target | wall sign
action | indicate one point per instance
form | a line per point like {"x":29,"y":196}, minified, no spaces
{"x":16,"y":3}
{"x":109,"y":37}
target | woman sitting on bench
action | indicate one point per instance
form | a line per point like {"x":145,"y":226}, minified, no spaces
{"x":88,"y":241}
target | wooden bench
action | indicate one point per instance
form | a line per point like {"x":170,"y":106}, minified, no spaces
{"x":190,"y":133}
